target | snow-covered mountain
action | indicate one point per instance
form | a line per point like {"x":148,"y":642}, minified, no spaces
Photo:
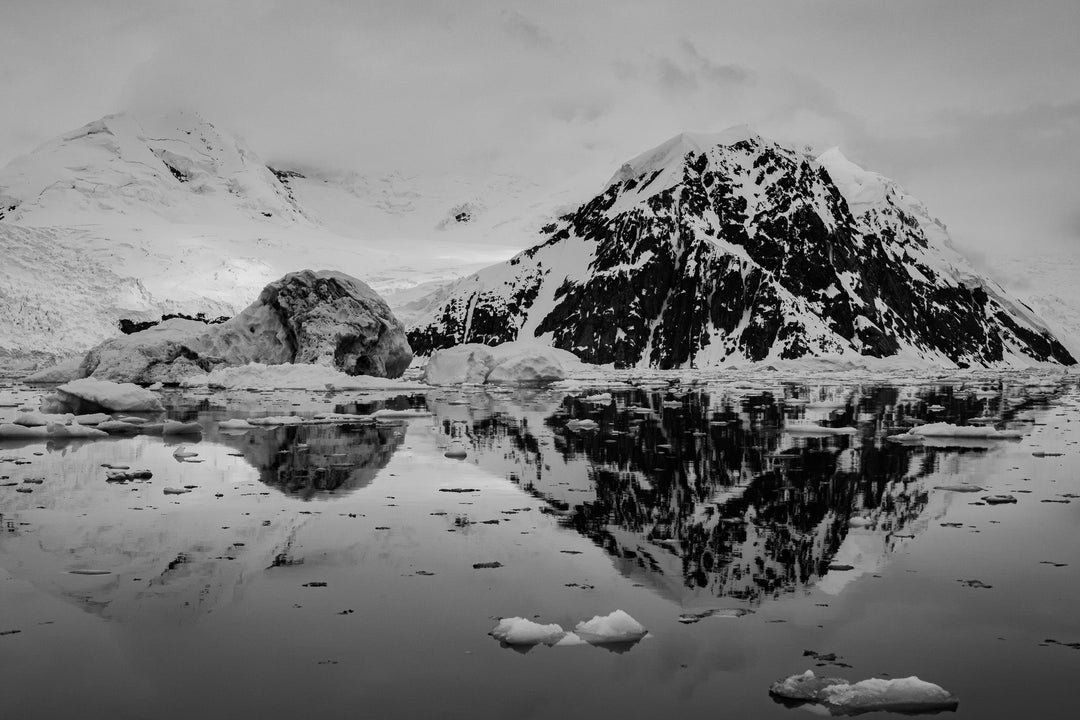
{"x":133,"y":217}
{"x":713,"y":249}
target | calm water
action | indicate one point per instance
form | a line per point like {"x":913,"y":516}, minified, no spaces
{"x":682,"y":500}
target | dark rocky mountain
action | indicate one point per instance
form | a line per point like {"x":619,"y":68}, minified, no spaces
{"x":713,"y":249}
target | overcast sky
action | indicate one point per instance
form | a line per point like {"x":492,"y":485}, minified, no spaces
{"x":973,"y":105}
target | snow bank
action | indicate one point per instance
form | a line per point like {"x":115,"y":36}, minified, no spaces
{"x":842,"y":697}
{"x":512,"y":363}
{"x":115,"y":397}
{"x":299,"y":376}
{"x":519,"y":631}
{"x":618,"y":627}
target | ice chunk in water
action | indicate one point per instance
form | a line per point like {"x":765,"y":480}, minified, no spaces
{"x":618,"y":627}
{"x":840,"y":697}
{"x":519,"y":631}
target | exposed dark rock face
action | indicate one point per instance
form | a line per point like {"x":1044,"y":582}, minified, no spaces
{"x":325,"y":318}
{"x":128,"y":326}
{"x":713,"y":248}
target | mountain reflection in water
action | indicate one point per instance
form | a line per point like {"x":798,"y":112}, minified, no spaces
{"x":703,"y":493}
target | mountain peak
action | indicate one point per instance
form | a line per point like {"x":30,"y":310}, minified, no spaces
{"x":671,"y":152}
{"x":170,"y":167}
{"x":747,"y":252}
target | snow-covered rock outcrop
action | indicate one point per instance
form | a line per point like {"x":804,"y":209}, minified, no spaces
{"x":723,"y":248}
{"x":512,"y":363}
{"x":321,"y":318}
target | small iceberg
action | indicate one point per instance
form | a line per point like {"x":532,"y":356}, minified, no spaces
{"x":618,"y":627}
{"x":174,"y":427}
{"x":841,"y":697}
{"x":807,"y":427}
{"x":963,"y":431}
{"x":581,"y":425}
{"x":519,"y":631}
{"x":278,"y":420}
{"x":182,"y":453}
{"x":235,"y":424}
{"x":388,"y":414}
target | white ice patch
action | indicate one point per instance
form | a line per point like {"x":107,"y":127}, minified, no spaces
{"x":519,"y":631}
{"x":618,"y":627}
{"x":289,"y":376}
{"x":512,"y":363}
{"x":117,"y":397}
{"x":963,"y":431}
{"x":839,"y":696}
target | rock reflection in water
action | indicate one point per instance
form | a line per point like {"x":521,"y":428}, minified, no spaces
{"x":310,"y":459}
{"x":697,"y":493}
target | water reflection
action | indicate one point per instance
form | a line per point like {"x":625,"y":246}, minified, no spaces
{"x":313,"y":459}
{"x":728,"y":492}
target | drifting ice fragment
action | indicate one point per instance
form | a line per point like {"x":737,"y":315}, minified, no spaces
{"x":173,"y":427}
{"x":278,"y":420}
{"x":117,"y":397}
{"x":581,"y":425}
{"x":236,"y":424}
{"x":807,"y":427}
{"x":963,"y":431}
{"x":618,"y":627}
{"x":519,"y":631}
{"x":388,"y":414}
{"x":840,"y":697}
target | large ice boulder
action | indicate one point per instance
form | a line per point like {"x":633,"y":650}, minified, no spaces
{"x":323,"y":318}
{"x":512,"y":363}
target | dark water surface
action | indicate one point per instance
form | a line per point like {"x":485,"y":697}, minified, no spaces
{"x":682,"y":500}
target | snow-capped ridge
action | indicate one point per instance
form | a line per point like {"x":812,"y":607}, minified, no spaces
{"x":671,"y":152}
{"x":717,"y":249}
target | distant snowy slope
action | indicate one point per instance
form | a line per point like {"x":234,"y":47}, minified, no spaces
{"x":713,"y":249}
{"x":194,"y":218}
{"x":171,"y":168}
{"x":1049,"y":285}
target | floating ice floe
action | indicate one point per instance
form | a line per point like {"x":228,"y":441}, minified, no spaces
{"x":235,"y":424}
{"x":52,"y":430}
{"x":182,"y":452}
{"x":172,"y":427}
{"x":519,"y":631}
{"x":581,"y":425}
{"x":963,"y":431}
{"x":841,"y":697}
{"x":618,"y":627}
{"x":115,"y":397}
{"x":808,"y":427}
{"x":456,"y":451}
{"x":39,"y":419}
{"x":689,"y":618}
{"x":512,"y":363}
{"x":278,"y":420}
{"x":388,"y":414}
{"x":293,"y":376}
